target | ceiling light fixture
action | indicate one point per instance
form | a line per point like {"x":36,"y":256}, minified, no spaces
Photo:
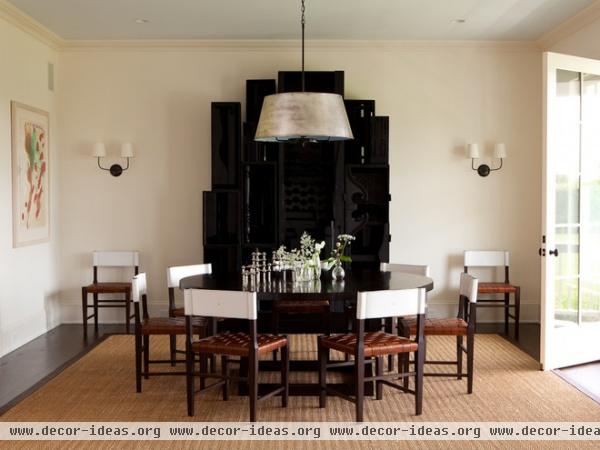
{"x":459,"y":21}
{"x":142,"y":20}
{"x":303,"y":116}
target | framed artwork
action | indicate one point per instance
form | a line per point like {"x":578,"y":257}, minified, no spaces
{"x":30,"y":176}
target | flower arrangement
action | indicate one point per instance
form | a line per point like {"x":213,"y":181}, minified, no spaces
{"x":338,"y":257}
{"x":304,"y":261}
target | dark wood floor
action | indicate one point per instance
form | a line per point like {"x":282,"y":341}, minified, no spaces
{"x":36,"y":362}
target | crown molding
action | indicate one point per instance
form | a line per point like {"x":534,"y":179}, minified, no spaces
{"x":19,"y":19}
{"x":26,"y":23}
{"x":287,"y":45}
{"x":570,"y":26}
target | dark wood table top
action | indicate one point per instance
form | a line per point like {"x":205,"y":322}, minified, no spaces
{"x":355,"y":281}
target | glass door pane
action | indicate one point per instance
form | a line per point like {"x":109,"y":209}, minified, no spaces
{"x":567,"y":220}
{"x":590,"y":200}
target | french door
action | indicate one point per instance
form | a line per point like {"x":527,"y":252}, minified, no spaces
{"x":570,"y":249}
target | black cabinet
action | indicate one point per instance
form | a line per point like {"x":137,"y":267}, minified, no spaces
{"x":266,"y":194}
{"x":256,"y":91}
{"x":261,"y":204}
{"x":329,"y":82}
{"x":226,"y":144}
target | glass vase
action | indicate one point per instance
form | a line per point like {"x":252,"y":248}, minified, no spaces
{"x":338,"y":273}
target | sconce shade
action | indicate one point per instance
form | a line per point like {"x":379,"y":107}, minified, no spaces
{"x":296,"y":116}
{"x":473,"y":150}
{"x":99,"y":150}
{"x":126,"y":150}
{"x":500,"y":151}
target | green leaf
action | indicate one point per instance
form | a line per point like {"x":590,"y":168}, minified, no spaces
{"x":345,"y":258}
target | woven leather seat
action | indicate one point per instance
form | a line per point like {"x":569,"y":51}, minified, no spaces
{"x":496,"y":288}
{"x":178,"y":312}
{"x":238,"y":344}
{"x":302,"y":306}
{"x":376,"y":343}
{"x":171,"y":325}
{"x":439,"y":327}
{"x":108,"y":288}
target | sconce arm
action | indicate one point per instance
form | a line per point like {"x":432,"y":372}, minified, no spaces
{"x":103,"y":168}
{"x":499,"y":167}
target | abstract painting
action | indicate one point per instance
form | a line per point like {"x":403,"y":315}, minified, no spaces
{"x":30,"y":164}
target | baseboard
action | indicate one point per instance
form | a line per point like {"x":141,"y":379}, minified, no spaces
{"x":27,"y":330}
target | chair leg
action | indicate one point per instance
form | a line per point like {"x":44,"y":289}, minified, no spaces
{"x":459,"y":357}
{"x":224,"y":362}
{"x":285,"y":368}
{"x":275,"y":327}
{"x":189,"y":376}
{"x":404,"y":358}
{"x":405,"y":368}
{"x":470,"y":355}
{"x":379,"y":372}
{"x":389,"y":328}
{"x":203,"y":369}
{"x":146,"y":356}
{"x":95,"y":296}
{"x":323,"y":357}
{"x":253,"y":385}
{"x":172,"y":348}
{"x":517,"y":311}
{"x":128,"y":312}
{"x":359,"y":380}
{"x":419,"y":363}
{"x":506,"y":312}
{"x":138,"y":362}
{"x":85,"y":311}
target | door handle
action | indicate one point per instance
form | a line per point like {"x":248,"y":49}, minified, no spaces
{"x":553,"y":252}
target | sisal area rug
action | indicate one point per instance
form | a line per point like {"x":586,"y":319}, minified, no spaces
{"x":508,"y":387}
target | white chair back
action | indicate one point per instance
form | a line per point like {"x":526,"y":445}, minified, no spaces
{"x":486,"y":258}
{"x":405,"y":268}
{"x":468,"y":287}
{"x":176,"y":273}
{"x":138,"y":287}
{"x":116,"y":259}
{"x":393,"y":303}
{"x":226,"y":304}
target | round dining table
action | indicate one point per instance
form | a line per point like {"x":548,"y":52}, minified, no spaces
{"x":278,"y":286}
{"x":281,"y":285}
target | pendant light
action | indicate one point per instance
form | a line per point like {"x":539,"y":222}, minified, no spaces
{"x":303,"y":116}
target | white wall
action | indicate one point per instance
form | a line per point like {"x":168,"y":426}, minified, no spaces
{"x":438,"y":98}
{"x":28,"y":275}
{"x":583,"y":42}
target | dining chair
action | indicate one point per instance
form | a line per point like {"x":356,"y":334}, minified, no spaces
{"x":174,"y":276}
{"x":413,"y":269}
{"x":463,"y":325}
{"x":106,"y":259}
{"x":251,"y":345}
{"x":316,"y":307}
{"x":494,"y":259}
{"x":375,"y":345}
{"x":146,"y":326}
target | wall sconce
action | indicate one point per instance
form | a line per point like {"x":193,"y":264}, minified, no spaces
{"x":484,"y":170}
{"x":116,"y":169}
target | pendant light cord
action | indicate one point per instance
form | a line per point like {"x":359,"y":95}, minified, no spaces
{"x":303,"y":22}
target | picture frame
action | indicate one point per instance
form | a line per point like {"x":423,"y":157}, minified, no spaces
{"x":30,"y":159}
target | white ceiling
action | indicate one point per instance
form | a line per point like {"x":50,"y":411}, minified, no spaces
{"x":279,"y":19}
